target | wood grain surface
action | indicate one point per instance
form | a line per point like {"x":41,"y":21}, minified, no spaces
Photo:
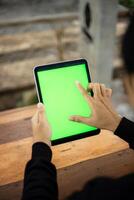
{"x":76,"y":162}
{"x":73,"y":178}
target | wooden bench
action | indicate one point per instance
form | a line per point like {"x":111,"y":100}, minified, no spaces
{"x":76,"y":162}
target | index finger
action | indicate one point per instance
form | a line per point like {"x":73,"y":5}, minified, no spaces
{"x":82,"y":90}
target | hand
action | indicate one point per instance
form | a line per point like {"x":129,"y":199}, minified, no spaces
{"x":40,"y":126}
{"x":103,"y":115}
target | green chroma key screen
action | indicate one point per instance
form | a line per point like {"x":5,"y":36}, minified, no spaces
{"x":58,"y":91}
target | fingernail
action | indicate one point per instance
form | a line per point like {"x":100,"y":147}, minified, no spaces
{"x":39,"y":105}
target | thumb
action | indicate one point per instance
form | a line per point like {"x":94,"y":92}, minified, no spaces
{"x":41,"y":110}
{"x":81,"y":119}
{"x":40,"y":107}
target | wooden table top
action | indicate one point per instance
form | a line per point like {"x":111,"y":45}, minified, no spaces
{"x":16,"y":142}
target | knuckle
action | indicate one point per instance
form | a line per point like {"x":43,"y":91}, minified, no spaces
{"x":90,"y":85}
{"x":77,"y":119}
{"x":103,"y":85}
{"x":95,"y":85}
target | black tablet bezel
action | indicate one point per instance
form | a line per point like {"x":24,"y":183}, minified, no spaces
{"x":59,"y":65}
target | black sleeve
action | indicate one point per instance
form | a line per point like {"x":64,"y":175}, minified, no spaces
{"x":107,"y":189}
{"x":125,"y":131}
{"x":40,"y":179}
{"x":98,"y":188}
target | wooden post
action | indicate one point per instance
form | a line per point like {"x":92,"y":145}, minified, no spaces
{"x":98,"y":23}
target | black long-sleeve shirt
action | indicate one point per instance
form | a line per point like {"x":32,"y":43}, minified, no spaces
{"x":40,"y":179}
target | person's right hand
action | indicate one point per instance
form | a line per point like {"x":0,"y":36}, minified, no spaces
{"x":103,"y":115}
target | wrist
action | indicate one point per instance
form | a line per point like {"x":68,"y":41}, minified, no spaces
{"x":41,"y":150}
{"x":116,"y":121}
{"x":44,"y":140}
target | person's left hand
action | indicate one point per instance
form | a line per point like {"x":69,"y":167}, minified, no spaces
{"x":40,"y":126}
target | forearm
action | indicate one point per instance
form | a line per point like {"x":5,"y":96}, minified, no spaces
{"x":125,"y":131}
{"x":40,"y":179}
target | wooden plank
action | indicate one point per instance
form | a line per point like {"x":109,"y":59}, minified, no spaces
{"x":23,"y":41}
{"x":41,"y":19}
{"x":37,"y":40}
{"x":15,"y":124}
{"x":26,"y":67}
{"x":37,"y":50}
{"x":56,"y":18}
{"x":16,"y":114}
{"x":11,"y":191}
{"x":17,"y":89}
{"x":73,"y":178}
{"x":15,"y":130}
{"x":115,"y":165}
{"x":63,"y":155}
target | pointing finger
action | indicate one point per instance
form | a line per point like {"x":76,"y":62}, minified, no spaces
{"x":82,"y":90}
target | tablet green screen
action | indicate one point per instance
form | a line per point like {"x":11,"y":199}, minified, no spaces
{"x":63,"y":99}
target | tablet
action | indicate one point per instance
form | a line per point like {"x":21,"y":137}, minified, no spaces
{"x":56,"y":88}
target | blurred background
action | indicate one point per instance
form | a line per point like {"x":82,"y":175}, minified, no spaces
{"x":36,"y":32}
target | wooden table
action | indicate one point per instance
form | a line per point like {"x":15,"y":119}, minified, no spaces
{"x":76,"y":162}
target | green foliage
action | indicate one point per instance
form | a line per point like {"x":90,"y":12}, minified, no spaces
{"x":127,"y":3}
